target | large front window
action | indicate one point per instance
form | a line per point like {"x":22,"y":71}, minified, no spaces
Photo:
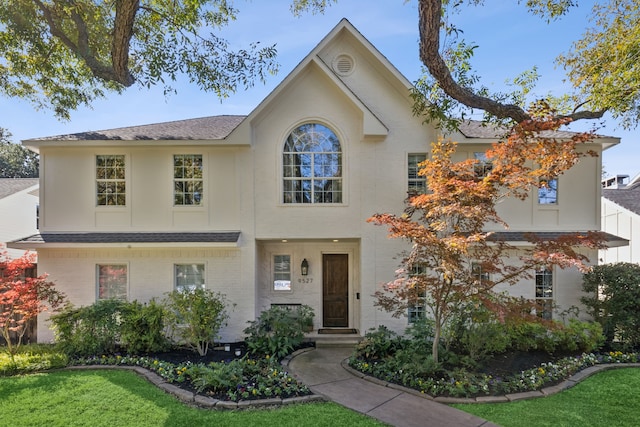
{"x":112,"y":281}
{"x":312,"y":166}
{"x":110,"y":180}
{"x":187,"y":180}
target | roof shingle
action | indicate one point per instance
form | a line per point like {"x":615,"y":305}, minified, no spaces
{"x":628,"y":197}
{"x":9,"y":186}
{"x":204,"y":128}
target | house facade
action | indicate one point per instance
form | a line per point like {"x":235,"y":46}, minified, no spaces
{"x":621,"y":217}
{"x":271,"y":208}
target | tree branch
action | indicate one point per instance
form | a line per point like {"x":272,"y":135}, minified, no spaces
{"x":123,"y":30}
{"x":430,"y":18}
{"x":118,"y":70}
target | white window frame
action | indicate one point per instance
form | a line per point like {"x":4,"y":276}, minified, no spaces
{"x":417,"y":312}
{"x":117,"y":265}
{"x":108,"y":186}
{"x":544,"y":291}
{"x":188,"y":287}
{"x":548,"y":192}
{"x":187,"y":181}
{"x":483,"y":165}
{"x":281,"y":277}
{"x":416,"y":184}
{"x":301,"y":190}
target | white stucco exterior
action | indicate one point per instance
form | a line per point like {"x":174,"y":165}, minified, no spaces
{"x":367,"y":106}
{"x":621,"y":217}
{"x":18,"y":211}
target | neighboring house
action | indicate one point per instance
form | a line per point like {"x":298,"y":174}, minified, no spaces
{"x":18,"y":210}
{"x":621,"y":216}
{"x":271,"y":208}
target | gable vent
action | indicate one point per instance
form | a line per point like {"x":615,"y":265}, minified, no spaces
{"x":343,"y":65}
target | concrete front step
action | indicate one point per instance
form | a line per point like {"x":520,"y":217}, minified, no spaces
{"x":331,"y":340}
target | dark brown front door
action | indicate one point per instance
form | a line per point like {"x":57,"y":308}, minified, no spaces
{"x":335,"y":290}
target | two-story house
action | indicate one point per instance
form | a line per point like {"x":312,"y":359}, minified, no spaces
{"x":271,"y":208}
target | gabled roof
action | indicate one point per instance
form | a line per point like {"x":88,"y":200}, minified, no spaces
{"x":373,"y":126}
{"x":9,"y":186}
{"x":627,"y":197}
{"x":204,"y":128}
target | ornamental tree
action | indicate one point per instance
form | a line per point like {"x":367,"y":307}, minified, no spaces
{"x":22,"y":298}
{"x":453,"y":259}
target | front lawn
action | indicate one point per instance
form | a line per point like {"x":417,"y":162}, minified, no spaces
{"x":122,"y":398}
{"x":609,"y":398}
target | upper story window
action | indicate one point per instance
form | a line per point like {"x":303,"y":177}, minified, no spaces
{"x":312,"y":166}
{"x":483,"y":165}
{"x":187,"y":180}
{"x":110,"y":180}
{"x":416,"y":184}
{"x":548,"y":191}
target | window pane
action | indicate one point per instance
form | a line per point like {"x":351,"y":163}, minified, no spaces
{"x":544,"y":293}
{"x":416,"y":183}
{"x":110,"y":180}
{"x":189,"y":277}
{"x":483,"y":166}
{"x":112,"y":281}
{"x":312,"y":151}
{"x":548,"y":192}
{"x":188,"y":183}
{"x":281,"y":272}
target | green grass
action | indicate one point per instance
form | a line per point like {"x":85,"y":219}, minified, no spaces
{"x":122,"y":398}
{"x":607,"y":398}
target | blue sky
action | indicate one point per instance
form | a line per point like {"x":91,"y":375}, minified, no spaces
{"x":510,"y":41}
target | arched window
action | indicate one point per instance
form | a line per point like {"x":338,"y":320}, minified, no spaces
{"x":312,"y":166}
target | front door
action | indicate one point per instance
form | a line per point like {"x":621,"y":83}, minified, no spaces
{"x":335,"y":290}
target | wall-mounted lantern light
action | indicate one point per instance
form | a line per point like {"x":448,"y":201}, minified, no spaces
{"x":304,"y":267}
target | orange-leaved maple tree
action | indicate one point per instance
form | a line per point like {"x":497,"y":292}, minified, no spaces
{"x":453,"y":259}
{"x":22,"y":298}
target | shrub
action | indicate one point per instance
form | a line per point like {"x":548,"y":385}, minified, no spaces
{"x":94,"y":329}
{"x":143,"y":328}
{"x":195,"y":317}
{"x":378,"y":344}
{"x":277,"y":332}
{"x":614,"y":301}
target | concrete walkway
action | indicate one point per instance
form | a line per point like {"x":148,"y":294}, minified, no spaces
{"x":322,"y":371}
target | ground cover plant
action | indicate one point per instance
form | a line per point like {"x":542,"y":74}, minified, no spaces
{"x":607,"y":398}
{"x":122,"y":398}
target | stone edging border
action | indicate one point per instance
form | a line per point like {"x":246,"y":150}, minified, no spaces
{"x":547,"y":391}
{"x":201,"y":401}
